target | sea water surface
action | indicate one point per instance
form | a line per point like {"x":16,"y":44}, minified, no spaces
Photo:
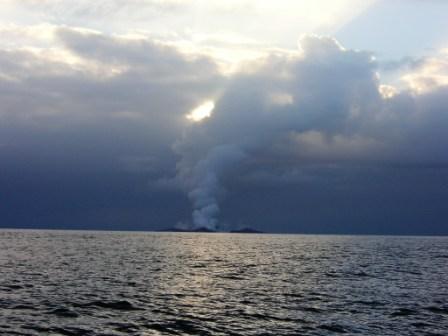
{"x":112,"y":283}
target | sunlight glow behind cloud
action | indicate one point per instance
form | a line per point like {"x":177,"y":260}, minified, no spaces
{"x":231,"y":31}
{"x":201,"y":112}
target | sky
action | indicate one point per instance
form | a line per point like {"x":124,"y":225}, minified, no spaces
{"x":285,"y":116}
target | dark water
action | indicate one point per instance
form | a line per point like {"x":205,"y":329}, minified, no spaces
{"x":86,"y":283}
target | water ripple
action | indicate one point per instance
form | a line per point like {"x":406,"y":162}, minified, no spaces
{"x":115,"y":284}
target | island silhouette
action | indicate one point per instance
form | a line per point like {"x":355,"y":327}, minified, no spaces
{"x":207,"y":230}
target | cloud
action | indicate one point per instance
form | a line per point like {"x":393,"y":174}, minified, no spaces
{"x":155,"y":59}
{"x":220,"y":27}
{"x":93,"y":99}
{"x":104,"y":77}
{"x":335,"y":112}
{"x":83,"y":8}
{"x":104,"y":102}
{"x":407,"y":63}
{"x":431,"y":73}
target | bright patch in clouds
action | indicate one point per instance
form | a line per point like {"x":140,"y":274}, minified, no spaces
{"x":201,"y":112}
{"x":431,"y":74}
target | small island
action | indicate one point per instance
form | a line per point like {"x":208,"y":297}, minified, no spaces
{"x":246,"y":230}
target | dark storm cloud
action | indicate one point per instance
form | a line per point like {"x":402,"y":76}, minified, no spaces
{"x":300,"y":128}
{"x":322,"y":106}
{"x":87,"y":125}
{"x":92,"y":105}
{"x":117,"y":107}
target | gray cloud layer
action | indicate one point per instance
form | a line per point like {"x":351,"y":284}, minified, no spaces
{"x":122,"y":104}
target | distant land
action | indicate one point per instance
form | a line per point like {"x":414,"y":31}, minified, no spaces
{"x":207,"y":230}
{"x":246,"y":230}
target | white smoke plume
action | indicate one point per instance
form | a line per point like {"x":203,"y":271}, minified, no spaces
{"x":205,"y":182}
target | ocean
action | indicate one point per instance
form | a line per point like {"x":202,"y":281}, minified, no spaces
{"x":121,"y":283}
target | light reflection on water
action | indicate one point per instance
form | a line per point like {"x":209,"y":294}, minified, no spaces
{"x":105,"y":283}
